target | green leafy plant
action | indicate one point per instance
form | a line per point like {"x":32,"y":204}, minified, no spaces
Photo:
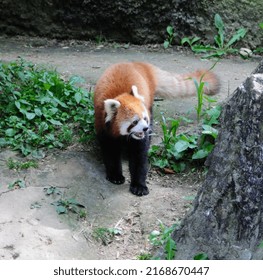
{"x":18,"y":165}
{"x":163,"y":237}
{"x":222,"y":45}
{"x":63,"y":206}
{"x":201,"y":256}
{"x":17,"y":184}
{"x":179,"y":150}
{"x":144,"y":256}
{"x":202,"y":99}
{"x":39,"y":110}
{"x":170,"y":37}
{"x":105,"y":235}
{"x":52,"y":191}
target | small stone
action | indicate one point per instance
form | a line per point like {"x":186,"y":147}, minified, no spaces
{"x":245,"y":53}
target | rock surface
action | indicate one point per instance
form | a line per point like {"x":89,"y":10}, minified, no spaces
{"x":227,"y":219}
{"x":135,"y":21}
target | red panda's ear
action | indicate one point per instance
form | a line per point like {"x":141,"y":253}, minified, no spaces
{"x":135,"y":93}
{"x":111,"y":106}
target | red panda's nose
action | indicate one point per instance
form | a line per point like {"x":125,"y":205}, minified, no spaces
{"x":145,"y":128}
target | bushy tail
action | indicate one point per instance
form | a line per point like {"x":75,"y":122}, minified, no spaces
{"x":171,"y":85}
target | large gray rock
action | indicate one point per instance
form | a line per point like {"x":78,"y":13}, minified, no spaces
{"x":135,"y":21}
{"x":227,"y":218}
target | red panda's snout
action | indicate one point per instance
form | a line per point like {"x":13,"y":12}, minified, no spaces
{"x":135,"y":127}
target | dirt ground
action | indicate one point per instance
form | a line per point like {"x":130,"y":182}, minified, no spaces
{"x":30,"y":227}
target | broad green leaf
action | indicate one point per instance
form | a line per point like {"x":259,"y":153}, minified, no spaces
{"x":18,"y":105}
{"x":166,"y":44}
{"x":10,"y":132}
{"x":186,"y":40}
{"x":30,"y":116}
{"x":61,"y":209}
{"x":237,"y":36}
{"x":170,"y":248}
{"x":181,"y":146}
{"x":170,"y":30}
{"x":200,"y":154}
{"x":38,"y":112}
{"x":219,"y":22}
{"x":3,"y":142}
{"x":209,"y":130}
{"x":201,"y":48}
{"x":76,"y":80}
{"x":201,"y":256}
{"x":78,"y":97}
{"x":55,"y":122}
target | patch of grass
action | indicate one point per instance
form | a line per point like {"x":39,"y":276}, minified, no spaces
{"x":105,"y":235}
{"x":39,"y":110}
{"x":222,"y":45}
{"x":18,"y":165}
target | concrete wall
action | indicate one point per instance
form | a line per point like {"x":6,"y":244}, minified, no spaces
{"x":135,"y":21}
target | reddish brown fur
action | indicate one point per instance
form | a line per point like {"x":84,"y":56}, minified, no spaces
{"x":116,"y":83}
{"x":117,"y":80}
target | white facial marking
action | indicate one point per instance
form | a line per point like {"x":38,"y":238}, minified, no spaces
{"x":136,"y":93}
{"x":124,"y":127}
{"x":110,"y":106}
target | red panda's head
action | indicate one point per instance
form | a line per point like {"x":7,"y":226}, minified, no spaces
{"x":127,"y":115}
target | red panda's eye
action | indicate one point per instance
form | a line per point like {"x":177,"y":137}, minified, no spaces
{"x":145,"y":119}
{"x":135,"y":122}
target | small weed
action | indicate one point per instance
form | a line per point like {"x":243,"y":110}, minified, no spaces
{"x":18,"y":184}
{"x":100,"y":39}
{"x":52,"y":191}
{"x":82,"y":214}
{"x":222,"y":46}
{"x":163,"y":238}
{"x":63,"y":206}
{"x":13,"y":164}
{"x":144,"y":256}
{"x":170,"y":37}
{"x":35,"y":205}
{"x":105,"y":235}
{"x":201,"y":256}
{"x":201,"y":97}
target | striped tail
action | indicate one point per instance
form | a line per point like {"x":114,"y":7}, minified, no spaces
{"x":171,"y":85}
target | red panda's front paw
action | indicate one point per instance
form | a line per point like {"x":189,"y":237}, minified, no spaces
{"x":118,"y":180}
{"x":139,"y":190}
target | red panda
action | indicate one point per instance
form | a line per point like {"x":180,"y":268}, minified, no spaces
{"x":123,"y":102}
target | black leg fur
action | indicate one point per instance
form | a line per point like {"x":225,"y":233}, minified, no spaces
{"x":111,"y":153}
{"x":138,"y":165}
